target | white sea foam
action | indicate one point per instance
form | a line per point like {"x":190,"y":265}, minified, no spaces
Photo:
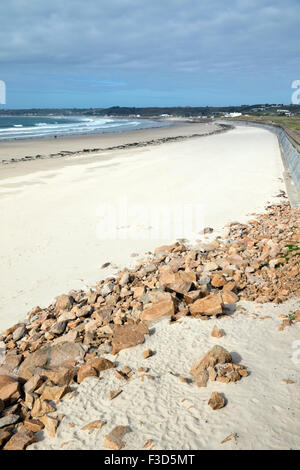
{"x":75,"y":126}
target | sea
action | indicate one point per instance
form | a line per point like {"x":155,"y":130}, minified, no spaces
{"x":39,"y":127}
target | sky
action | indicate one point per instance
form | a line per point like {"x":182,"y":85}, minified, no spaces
{"x":101,"y":53}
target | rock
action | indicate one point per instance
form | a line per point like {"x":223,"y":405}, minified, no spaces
{"x":217,"y":355}
{"x":59,"y":328}
{"x":180,"y":282}
{"x":20,"y":440}
{"x":64,"y":302}
{"x":51,"y":356}
{"x":33,"y":383}
{"x":114,"y":440}
{"x":165,"y":248}
{"x":70,"y":337}
{"x":216,"y":401}
{"x":107,"y":289}
{"x":9,"y":419}
{"x":9,"y":388}
{"x":192,"y":296}
{"x":114,"y":393}
{"x":147,"y":353}
{"x":94,"y":425}
{"x":212,"y":374}
{"x":5,"y":435}
{"x":34,"y":425}
{"x":19,"y":333}
{"x":297,"y":315}
{"x":58,"y":375}
{"x":201,"y":378}
{"x":210,"y":267}
{"x":138,"y":292}
{"x":229,"y":297}
{"x":41,"y":408}
{"x":158,"y":310}
{"x":210,"y":305}
{"x":10,"y":364}
{"x":217,"y":333}
{"x":100,"y":363}
{"x":85,"y":371}
{"x":156,"y":295}
{"x":55,"y":392}
{"x":1,"y":406}
{"x":125,"y":279}
{"x":127,"y":336}
{"x":218,"y":280}
{"x":50,"y":424}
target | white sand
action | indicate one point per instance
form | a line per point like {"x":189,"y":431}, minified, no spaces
{"x":50,"y":235}
{"x":261,"y":409}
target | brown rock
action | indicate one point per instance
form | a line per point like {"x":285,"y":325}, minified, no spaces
{"x":55,"y":392}
{"x":192,"y":296}
{"x":5,"y":435}
{"x":216,"y":401}
{"x":217,"y":333}
{"x":158,"y":310}
{"x":20,"y":440}
{"x":50,"y":424}
{"x":86,"y":370}
{"x":41,"y":408}
{"x":229,"y":297}
{"x":147,"y":353}
{"x":34,"y":425}
{"x":64,"y":302}
{"x":100,"y":364}
{"x":94,"y":425}
{"x":127,"y":336}
{"x":51,"y":356}
{"x":58,"y":375}
{"x":180,"y":281}
{"x":218,"y":280}
{"x":9,"y":388}
{"x":114,"y":393}
{"x":201,"y":378}
{"x":217,"y":355}
{"x":114,"y":440}
{"x":210,"y":305}
{"x":33,"y":383}
{"x":10,"y":364}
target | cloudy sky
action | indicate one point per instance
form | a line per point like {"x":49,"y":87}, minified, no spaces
{"x":93,"y":53}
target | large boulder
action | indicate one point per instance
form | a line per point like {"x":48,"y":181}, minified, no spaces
{"x":217,"y":355}
{"x":210,"y":305}
{"x":158,"y":310}
{"x":127,"y":336}
{"x":51,"y":356}
{"x":179,"y":282}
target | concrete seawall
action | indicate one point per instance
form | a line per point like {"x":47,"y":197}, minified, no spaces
{"x":290,"y":153}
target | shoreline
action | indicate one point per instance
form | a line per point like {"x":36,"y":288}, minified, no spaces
{"x":28,"y":150}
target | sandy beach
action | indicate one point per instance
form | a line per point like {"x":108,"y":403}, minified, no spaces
{"x":19,"y":149}
{"x":65,"y":218}
{"x":52,"y":210}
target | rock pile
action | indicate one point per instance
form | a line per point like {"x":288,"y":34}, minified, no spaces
{"x":64,"y":342}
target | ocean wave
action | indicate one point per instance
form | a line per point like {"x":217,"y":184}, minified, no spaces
{"x":76,"y":126}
